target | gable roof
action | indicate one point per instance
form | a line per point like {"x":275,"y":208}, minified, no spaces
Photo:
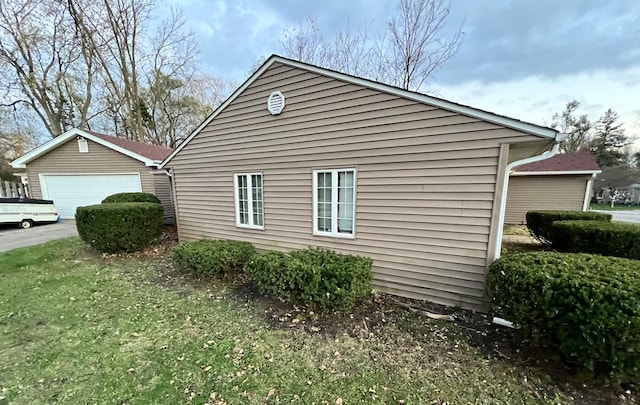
{"x":150,"y":155}
{"x":483,"y":115}
{"x":582,"y":162}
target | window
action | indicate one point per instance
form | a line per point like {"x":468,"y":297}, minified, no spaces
{"x":249,"y":204}
{"x":334,"y":202}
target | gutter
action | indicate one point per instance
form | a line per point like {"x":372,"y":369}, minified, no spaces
{"x":505,"y":186}
{"x":588,"y":192}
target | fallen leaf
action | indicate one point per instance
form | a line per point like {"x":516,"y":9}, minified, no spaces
{"x":271,"y":392}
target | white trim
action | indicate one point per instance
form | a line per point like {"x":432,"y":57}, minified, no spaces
{"x":22,"y":161}
{"x":556,"y":173}
{"x":587,"y":192}
{"x":236,"y":197}
{"x":334,"y":203}
{"x":505,"y":190}
{"x":422,"y":98}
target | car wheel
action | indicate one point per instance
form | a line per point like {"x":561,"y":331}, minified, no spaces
{"x":26,"y":224}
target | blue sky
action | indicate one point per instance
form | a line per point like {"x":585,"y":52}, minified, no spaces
{"x":520,"y":58}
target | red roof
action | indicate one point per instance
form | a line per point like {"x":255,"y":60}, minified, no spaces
{"x":150,"y":151}
{"x":563,"y":162}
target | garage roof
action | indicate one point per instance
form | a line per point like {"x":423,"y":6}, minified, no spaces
{"x":582,"y":162}
{"x":150,"y":155}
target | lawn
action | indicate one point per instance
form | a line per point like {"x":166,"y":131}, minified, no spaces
{"x":607,"y":207}
{"x":78,"y":327}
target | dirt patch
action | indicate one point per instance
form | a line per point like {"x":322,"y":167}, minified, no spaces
{"x":494,"y":342}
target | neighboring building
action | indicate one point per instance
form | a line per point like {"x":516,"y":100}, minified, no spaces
{"x":82,"y":167}
{"x":303,"y":156}
{"x":562,"y":182}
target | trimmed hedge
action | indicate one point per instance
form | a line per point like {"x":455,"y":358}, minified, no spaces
{"x":213,"y":257}
{"x":320,"y":278}
{"x":131,"y":197}
{"x":539,"y":222}
{"x":608,"y":239}
{"x":587,"y":307}
{"x":120,"y":227}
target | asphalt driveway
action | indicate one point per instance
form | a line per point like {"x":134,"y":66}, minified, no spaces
{"x":11,"y":237}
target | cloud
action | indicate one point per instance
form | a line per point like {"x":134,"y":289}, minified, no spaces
{"x":514,"y":39}
{"x":537,"y":98}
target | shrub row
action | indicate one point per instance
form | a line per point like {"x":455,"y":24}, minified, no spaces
{"x":585,"y":306}
{"x":317,"y":277}
{"x":539,"y":222}
{"x":603,"y":238}
{"x":118,"y":227}
{"x":213,"y":257}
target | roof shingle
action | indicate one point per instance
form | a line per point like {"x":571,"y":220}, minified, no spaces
{"x":147,"y":150}
{"x":563,"y":162}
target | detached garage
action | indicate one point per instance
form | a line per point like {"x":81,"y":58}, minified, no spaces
{"x":82,"y":167}
{"x":562,"y":182}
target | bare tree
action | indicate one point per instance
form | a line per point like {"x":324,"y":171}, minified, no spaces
{"x":41,"y":58}
{"x":414,"y":46}
{"x":577,"y":128}
{"x":418,"y":43}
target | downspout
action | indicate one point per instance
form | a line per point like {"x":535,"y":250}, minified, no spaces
{"x":588,"y":192}
{"x":505,"y":186}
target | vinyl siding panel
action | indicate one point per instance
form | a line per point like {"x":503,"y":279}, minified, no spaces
{"x":527,"y":193}
{"x":162,"y":190}
{"x":66,"y":159}
{"x":425,"y":180}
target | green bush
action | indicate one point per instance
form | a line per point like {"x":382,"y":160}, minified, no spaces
{"x":121,"y":227}
{"x":131,"y":197}
{"x":213,"y":257}
{"x":320,"y":278}
{"x":539,"y":222}
{"x":586,"y":307}
{"x":608,"y":239}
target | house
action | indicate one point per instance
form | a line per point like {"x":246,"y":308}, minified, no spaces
{"x":303,"y":156}
{"x":82,"y":167}
{"x":562,"y":182}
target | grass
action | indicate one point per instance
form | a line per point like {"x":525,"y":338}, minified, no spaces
{"x":76,"y":327}
{"x":520,"y":230}
{"x":607,"y":207}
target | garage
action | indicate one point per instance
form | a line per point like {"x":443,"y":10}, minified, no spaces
{"x":81,"y":167}
{"x":71,"y":191}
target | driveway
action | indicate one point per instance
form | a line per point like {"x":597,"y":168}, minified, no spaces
{"x":11,"y":237}
{"x":624,"y":216}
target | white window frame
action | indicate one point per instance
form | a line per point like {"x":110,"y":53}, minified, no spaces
{"x":334,"y":203}
{"x":236,"y":194}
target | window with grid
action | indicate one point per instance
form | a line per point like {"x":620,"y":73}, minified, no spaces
{"x":249,"y":203}
{"x":334,"y":202}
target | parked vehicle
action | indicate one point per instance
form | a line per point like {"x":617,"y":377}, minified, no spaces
{"x":27,"y":212}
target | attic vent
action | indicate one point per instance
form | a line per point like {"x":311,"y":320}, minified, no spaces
{"x":83,"y":146}
{"x":275,"y":104}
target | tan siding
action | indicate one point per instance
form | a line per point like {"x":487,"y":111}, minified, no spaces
{"x":528,"y":193}
{"x":162,"y":190}
{"x":100,"y":159}
{"x":425,"y":180}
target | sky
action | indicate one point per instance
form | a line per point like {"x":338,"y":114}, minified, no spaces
{"x":521,"y":58}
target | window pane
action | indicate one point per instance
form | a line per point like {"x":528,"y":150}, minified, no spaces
{"x":256,"y":200}
{"x":345,"y":201}
{"x":243,"y":202}
{"x":323,"y":208}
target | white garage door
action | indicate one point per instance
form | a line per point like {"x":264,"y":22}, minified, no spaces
{"x":71,"y":191}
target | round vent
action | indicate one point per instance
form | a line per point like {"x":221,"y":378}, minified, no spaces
{"x":275,"y":104}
